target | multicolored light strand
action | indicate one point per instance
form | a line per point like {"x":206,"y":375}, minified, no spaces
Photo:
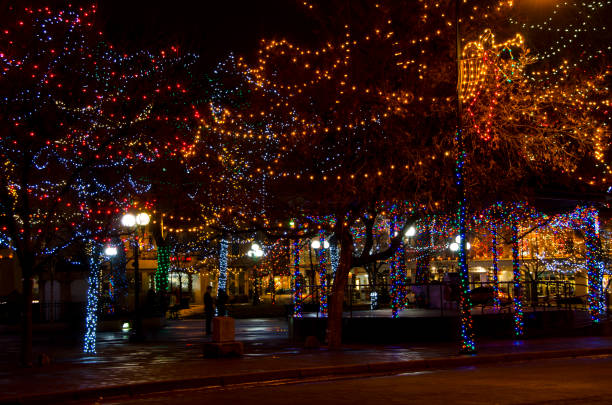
{"x":398,"y":279}
{"x":465,"y":305}
{"x":594,"y":265}
{"x":519,"y":326}
{"x":322,"y":276}
{"x":297,"y":281}
{"x":495,"y":256}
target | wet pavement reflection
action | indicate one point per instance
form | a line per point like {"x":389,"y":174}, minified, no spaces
{"x":175,"y":352}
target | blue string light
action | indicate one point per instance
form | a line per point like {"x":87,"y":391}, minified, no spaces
{"x":334,"y":257}
{"x":222,"y":265}
{"x":586,"y":219}
{"x":93,"y":292}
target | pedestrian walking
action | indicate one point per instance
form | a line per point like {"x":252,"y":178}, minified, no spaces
{"x":209,"y":309}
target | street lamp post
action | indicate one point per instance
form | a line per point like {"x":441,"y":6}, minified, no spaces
{"x":319,"y":246}
{"x":110,"y":252}
{"x":409,"y":235}
{"x":255,"y":253}
{"x":133,"y":222}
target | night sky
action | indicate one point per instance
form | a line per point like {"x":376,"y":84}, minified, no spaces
{"x":211,"y":28}
{"x":214,"y":28}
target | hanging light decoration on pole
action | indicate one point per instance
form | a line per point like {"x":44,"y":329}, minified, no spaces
{"x":133,"y":222}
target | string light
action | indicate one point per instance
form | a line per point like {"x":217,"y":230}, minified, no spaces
{"x":334,"y":257}
{"x":594,"y":265}
{"x":323,"y":274}
{"x":223,"y":245}
{"x":163,"y":266}
{"x":494,"y":252}
{"x":93,"y":293}
{"x":270,"y":129}
{"x":516,"y":280}
{"x":297,"y":281}
{"x":397,"y":273}
{"x":587,"y":219}
{"x":73,"y":113}
{"x":465,"y":305}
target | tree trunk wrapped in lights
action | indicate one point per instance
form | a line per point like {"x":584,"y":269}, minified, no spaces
{"x":222,"y":282}
{"x":367,"y":116}
{"x":93,"y":252}
{"x":74,"y":112}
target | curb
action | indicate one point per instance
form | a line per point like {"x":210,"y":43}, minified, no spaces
{"x":296,"y":374}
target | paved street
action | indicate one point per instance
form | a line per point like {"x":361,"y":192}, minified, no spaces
{"x":175,"y":353}
{"x":561,"y":381}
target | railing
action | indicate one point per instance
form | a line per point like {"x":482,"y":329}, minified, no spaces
{"x":443,"y":296}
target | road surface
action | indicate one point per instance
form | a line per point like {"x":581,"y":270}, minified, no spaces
{"x":559,"y":381}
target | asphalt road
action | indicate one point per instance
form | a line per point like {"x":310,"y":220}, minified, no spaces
{"x":560,"y":381}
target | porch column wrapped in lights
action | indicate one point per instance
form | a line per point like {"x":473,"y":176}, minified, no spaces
{"x":163,"y":265}
{"x":495,"y":254}
{"x":519,"y":325}
{"x":594,"y":264}
{"x":297,"y":281}
{"x":397,"y":274}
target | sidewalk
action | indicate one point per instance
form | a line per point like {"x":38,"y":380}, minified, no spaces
{"x":175,"y":356}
